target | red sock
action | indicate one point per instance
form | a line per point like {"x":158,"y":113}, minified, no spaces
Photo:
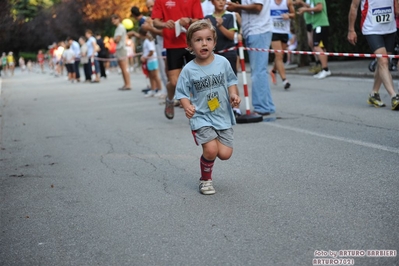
{"x":206,"y":168}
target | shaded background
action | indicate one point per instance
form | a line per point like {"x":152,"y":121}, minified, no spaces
{"x":30,"y":25}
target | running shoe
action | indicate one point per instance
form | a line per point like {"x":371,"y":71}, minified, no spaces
{"x":375,"y":100}
{"x":273,"y":76}
{"x":286,"y":84}
{"x":322,"y":74}
{"x":395,"y":102}
{"x":151,"y":93}
{"x":169,"y":108}
{"x":206,"y":187}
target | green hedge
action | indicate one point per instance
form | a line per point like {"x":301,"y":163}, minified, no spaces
{"x":27,"y":56}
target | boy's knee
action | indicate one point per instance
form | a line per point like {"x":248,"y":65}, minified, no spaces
{"x":224,"y":157}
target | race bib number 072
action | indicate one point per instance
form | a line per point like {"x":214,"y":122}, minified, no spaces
{"x":382,"y":15}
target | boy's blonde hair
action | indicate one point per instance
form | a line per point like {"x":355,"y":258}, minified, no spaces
{"x":197,"y":26}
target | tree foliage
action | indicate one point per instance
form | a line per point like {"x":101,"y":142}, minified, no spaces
{"x":29,"y":25}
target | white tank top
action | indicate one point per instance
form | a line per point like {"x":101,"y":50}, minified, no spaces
{"x":378,"y":17}
{"x":280,"y":25}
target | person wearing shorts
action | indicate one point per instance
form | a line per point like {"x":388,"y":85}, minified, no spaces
{"x":281,"y":13}
{"x":320,"y":25}
{"x":11,"y":63}
{"x":379,"y":28}
{"x":121,"y":54}
{"x":169,"y":15}
{"x":149,"y":58}
{"x":40,"y":60}
{"x":207,"y":90}
{"x":309,"y":32}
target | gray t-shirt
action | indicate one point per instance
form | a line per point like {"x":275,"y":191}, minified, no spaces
{"x":120,"y":31}
{"x":202,"y":83}
{"x":256,"y":23}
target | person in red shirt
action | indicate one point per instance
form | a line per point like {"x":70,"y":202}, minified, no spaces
{"x":174,"y":17}
{"x":40,"y":60}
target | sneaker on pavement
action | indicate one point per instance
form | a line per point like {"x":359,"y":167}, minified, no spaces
{"x":395,"y":102}
{"x":315,"y":69}
{"x":150,"y":93}
{"x":273,"y":76}
{"x":206,"y":187}
{"x":375,"y":100}
{"x":286,"y":84}
{"x":169,"y":108}
{"x":322,"y":74}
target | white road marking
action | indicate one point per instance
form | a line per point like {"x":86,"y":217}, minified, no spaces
{"x":351,"y":141}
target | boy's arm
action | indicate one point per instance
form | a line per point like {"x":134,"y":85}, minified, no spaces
{"x":189,"y":109}
{"x":234,"y":96}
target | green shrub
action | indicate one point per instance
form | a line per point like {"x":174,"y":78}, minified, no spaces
{"x":27,"y":56}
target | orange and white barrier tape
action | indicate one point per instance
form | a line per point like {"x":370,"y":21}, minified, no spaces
{"x":313,"y":53}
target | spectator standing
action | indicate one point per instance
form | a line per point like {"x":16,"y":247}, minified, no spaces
{"x":379,"y":28}
{"x":320,"y":25}
{"x":207,"y":89}
{"x":113,"y":64}
{"x":11,"y":63}
{"x":21,"y":62}
{"x":174,"y":17}
{"x":309,"y":31}
{"x":226,"y":32}
{"x":75,"y":47}
{"x":138,"y":15}
{"x":130,"y":53}
{"x":149,"y":58}
{"x":40,"y":60}
{"x":121,"y":54}
{"x":29,"y":66}
{"x":84,"y":59}
{"x":226,"y":28}
{"x":4,"y":63}
{"x":92,"y":52}
{"x":59,"y":70}
{"x":281,"y":12}
{"x":157,"y":33}
{"x":102,"y":55}
{"x":257,"y":27}
{"x":68,"y":57}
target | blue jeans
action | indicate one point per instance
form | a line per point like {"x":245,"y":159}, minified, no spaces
{"x":261,"y":96}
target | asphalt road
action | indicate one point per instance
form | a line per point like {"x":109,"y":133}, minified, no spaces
{"x":94,"y":176}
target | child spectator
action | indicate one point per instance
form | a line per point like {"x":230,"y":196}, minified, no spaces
{"x":21,"y":62}
{"x":150,"y":59}
{"x":11,"y":63}
{"x":207,"y":89}
{"x":40,"y":60}
{"x":69,"y":59}
{"x":29,"y":66}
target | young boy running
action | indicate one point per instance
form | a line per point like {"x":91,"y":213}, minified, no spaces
{"x":207,"y":89}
